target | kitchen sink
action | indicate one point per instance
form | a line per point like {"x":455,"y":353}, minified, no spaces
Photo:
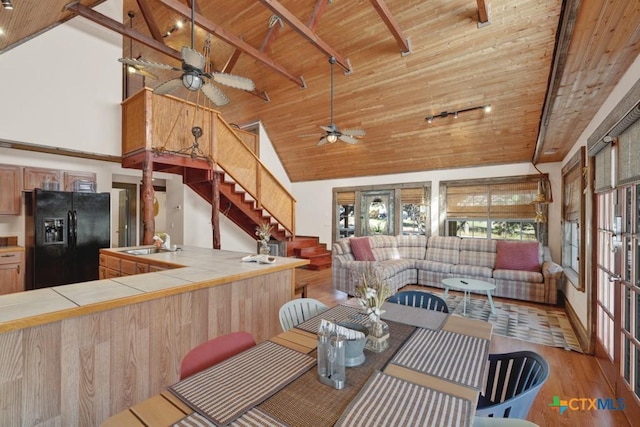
{"x":144,"y":251}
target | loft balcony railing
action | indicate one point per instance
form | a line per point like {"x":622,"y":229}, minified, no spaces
{"x":163,"y":124}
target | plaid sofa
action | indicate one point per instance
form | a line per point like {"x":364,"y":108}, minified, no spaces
{"x":410,"y":260}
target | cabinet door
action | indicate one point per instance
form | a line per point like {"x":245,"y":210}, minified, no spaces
{"x":36,"y":177}
{"x":9,"y":190}
{"x":11,"y":272}
{"x":71,"y":177}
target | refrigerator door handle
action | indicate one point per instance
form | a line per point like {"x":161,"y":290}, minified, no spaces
{"x":69,"y":229}
{"x":75,"y":228}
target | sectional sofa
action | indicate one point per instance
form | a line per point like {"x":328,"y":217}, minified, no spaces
{"x":520,"y":270}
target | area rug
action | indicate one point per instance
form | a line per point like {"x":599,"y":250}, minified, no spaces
{"x":533,"y":324}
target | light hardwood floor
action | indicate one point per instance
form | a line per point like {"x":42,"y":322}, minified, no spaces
{"x":573,"y":375}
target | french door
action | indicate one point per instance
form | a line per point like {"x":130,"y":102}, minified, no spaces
{"x":618,"y":290}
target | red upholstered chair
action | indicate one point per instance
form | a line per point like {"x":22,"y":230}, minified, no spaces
{"x":215,"y":351}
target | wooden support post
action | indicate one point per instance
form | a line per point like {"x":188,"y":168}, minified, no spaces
{"x":148,"y":193}
{"x":215,"y":209}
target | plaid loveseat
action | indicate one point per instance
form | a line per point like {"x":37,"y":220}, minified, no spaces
{"x":410,"y":260}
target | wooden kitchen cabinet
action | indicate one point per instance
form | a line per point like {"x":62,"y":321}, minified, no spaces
{"x":70,"y":178}
{"x":36,"y":177}
{"x":10,"y":189}
{"x":11,"y":271}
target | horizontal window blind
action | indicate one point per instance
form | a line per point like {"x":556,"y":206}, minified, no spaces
{"x":497,"y":201}
{"x":346,"y":198}
{"x":572,"y":194}
{"x":629,"y":154}
{"x":414,"y":196}
{"x":602,"y":174}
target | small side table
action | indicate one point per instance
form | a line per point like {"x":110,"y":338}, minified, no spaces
{"x":466,"y":286}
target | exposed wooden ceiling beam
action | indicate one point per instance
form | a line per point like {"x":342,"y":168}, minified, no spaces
{"x":317,"y":14}
{"x":306,"y":32}
{"x":147,"y":14}
{"x":484,"y":13}
{"x":113,"y":25}
{"x":231,"y":39}
{"x":381,"y":7}
{"x":275,"y":23}
{"x":119,"y":28}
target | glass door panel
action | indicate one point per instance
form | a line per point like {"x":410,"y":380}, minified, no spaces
{"x":377,"y":213}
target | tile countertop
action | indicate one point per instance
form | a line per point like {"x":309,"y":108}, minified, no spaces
{"x":194,"y":268}
{"x":11,"y":249}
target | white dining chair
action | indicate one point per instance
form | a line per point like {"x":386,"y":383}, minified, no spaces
{"x":298,"y":310}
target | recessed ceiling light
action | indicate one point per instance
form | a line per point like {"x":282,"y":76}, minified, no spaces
{"x":550,"y":151}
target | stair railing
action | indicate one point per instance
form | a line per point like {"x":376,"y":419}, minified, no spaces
{"x":165,"y":124}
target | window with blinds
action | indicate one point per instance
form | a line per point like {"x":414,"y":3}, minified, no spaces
{"x":573,"y":200}
{"x":345,"y":213}
{"x":499,"y":209}
{"x":602,"y":179}
{"x":629,"y":154}
{"x":415,"y":210}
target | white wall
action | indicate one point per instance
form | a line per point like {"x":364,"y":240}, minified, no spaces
{"x":63,"y":88}
{"x":579,"y":300}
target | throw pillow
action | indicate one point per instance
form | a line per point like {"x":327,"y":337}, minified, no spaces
{"x":361,"y":249}
{"x":521,"y":256}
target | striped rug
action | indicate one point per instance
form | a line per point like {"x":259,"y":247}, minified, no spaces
{"x":538,"y":325}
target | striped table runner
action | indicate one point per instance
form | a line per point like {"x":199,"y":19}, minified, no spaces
{"x":448,"y":355}
{"x":389,"y":401}
{"x":338,"y":313}
{"x":414,"y":316}
{"x":253,"y":417}
{"x":226,"y":390}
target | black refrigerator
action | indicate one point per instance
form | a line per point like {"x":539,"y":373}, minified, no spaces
{"x":64,"y":232}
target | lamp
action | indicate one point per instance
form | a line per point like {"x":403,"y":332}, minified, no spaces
{"x":331,"y":138}
{"x":455,"y":114}
{"x":7,"y":4}
{"x":192,"y":81}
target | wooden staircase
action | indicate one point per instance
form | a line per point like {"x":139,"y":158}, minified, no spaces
{"x":248,"y":193}
{"x":242,"y":211}
{"x":309,"y":247}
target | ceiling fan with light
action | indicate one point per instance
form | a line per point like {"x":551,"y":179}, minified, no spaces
{"x":332,"y":133}
{"x":193,"y":73}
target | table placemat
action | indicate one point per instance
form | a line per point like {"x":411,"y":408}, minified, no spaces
{"x":253,"y":417}
{"x":338,"y":313}
{"x":448,"y":355}
{"x":414,"y":316}
{"x":226,"y":390}
{"x":389,"y":401}
{"x":306,"y":402}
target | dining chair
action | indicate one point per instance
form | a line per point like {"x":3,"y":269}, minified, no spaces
{"x":215,"y":351}
{"x":513,"y":382}
{"x":420,"y":299}
{"x":299,"y":310}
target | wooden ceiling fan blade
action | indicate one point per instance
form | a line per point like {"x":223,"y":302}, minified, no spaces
{"x":168,"y":86}
{"x":214,"y":94}
{"x":236,"y":82}
{"x":354,"y":132}
{"x":144,"y":63}
{"x":329,"y":128}
{"x":322,"y":141}
{"x":143,"y":72}
{"x":192,"y":58}
{"x":348,"y":139}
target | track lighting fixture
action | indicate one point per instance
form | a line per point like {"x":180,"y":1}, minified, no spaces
{"x":7,"y":4}
{"x":455,"y":114}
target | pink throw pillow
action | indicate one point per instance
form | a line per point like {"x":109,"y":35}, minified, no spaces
{"x":361,"y":249}
{"x":521,"y":256}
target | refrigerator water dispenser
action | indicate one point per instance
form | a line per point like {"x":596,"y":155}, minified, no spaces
{"x":54,"y":230}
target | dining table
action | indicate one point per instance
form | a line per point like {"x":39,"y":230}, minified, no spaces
{"x":432,"y":373}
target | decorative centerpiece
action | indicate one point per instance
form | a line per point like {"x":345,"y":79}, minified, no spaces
{"x":263,"y":231}
{"x":372,"y":290}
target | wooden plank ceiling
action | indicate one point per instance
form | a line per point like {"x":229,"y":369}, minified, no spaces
{"x":453,"y":64}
